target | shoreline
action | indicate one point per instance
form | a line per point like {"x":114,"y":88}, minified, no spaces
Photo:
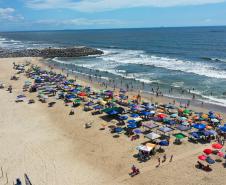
{"x":148,"y":96}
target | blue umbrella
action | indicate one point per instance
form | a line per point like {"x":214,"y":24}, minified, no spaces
{"x":164,"y":143}
{"x":137,"y":131}
{"x":145,"y":113}
{"x":206,"y":133}
{"x":123,"y":117}
{"x":89,"y":104}
{"x":199,"y":126}
{"x":131,"y":121}
{"x":134,"y":115}
{"x":98,"y":107}
{"x":118,"y":129}
{"x":132,"y":125}
{"x":223,"y":129}
{"x":195,"y":134}
{"x":112,"y":112}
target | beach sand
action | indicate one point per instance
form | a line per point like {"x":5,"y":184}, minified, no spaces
{"x":53,"y":148}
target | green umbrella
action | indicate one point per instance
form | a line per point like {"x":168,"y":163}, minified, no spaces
{"x":77,"y":101}
{"x":186,"y":111}
{"x":180,"y":136}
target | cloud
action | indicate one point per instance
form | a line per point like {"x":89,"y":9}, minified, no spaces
{"x":108,"y":5}
{"x":9,"y":14}
{"x":78,"y":22}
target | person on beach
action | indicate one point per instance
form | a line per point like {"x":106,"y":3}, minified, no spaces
{"x":171,"y":158}
{"x":159,"y":162}
{"x":164,"y":158}
{"x":10,"y":88}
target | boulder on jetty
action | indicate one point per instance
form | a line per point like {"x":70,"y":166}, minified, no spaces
{"x":50,"y":52}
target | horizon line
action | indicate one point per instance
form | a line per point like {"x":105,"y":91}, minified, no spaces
{"x":120,"y":28}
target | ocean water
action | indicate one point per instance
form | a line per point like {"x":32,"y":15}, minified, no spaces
{"x":188,"y":60}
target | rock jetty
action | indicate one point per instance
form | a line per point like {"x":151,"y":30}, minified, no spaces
{"x":50,"y":52}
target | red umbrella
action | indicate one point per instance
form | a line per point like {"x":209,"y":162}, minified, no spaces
{"x":208,"y":151}
{"x":82,"y":94}
{"x":162,"y":115}
{"x":217,"y":146}
{"x":202,"y":157}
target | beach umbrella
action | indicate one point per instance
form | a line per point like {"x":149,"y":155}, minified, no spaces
{"x":199,"y":126}
{"x":180,"y":136}
{"x":208,"y":151}
{"x":118,"y":129}
{"x":173,"y":115}
{"x":98,"y":107}
{"x":164,"y":143}
{"x":162,"y":115}
{"x":134,"y":115}
{"x":195,"y":134}
{"x":89,"y":104}
{"x":223,"y":129}
{"x":123,"y":117}
{"x":202,"y":157}
{"x":82,"y":94}
{"x":137,"y":131}
{"x":112,"y":112}
{"x":215,"y":120}
{"x":186,"y":111}
{"x":209,"y":160}
{"x":145,"y":113}
{"x":185,"y":123}
{"x":220,"y":154}
{"x":182,"y":118}
{"x":217,"y":146}
{"x":77,"y":101}
{"x":131,"y":121}
{"x":132,"y":125}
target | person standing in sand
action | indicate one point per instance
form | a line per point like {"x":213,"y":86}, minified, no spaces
{"x":164,"y":158}
{"x":171,"y":158}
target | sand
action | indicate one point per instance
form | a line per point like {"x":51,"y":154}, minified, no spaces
{"x":53,"y":148}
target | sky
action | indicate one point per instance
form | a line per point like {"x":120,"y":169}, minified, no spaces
{"x":25,"y":15}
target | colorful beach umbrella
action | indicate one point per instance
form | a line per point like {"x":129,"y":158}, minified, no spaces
{"x":217,"y":146}
{"x":208,"y":151}
{"x":199,"y":126}
{"x":202,"y":157}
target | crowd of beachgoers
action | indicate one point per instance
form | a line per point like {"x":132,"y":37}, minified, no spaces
{"x":161,"y":125}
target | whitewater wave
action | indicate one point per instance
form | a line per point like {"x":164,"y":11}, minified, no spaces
{"x":118,"y":57}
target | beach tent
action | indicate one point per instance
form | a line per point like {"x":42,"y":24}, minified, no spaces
{"x":165,"y":129}
{"x":149,"y":125}
{"x":183,"y":128}
{"x":152,"y":136}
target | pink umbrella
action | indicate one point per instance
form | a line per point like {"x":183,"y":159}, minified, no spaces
{"x":202,"y":157}
{"x":220,"y":154}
